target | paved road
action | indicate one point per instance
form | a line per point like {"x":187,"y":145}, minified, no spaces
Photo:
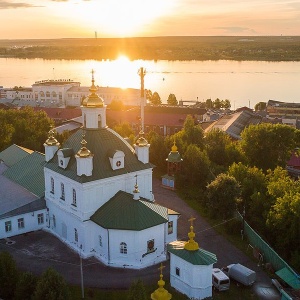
{"x":36,"y":251}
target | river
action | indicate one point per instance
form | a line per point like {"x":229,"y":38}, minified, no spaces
{"x":244,"y":83}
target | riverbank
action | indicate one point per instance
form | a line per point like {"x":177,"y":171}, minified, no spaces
{"x":240,"y":48}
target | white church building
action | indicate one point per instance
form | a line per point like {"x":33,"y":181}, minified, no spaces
{"x":97,"y":195}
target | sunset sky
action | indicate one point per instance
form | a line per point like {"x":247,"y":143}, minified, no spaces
{"x":25,"y":19}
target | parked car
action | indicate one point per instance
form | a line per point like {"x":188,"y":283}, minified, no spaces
{"x":220,"y":280}
{"x":240,"y":273}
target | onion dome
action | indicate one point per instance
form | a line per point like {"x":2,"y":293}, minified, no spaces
{"x":174,"y":155}
{"x":84,"y":151}
{"x":141,"y":141}
{"x":191,"y":245}
{"x":161,"y":293}
{"x":51,"y":141}
{"x":93,"y":100}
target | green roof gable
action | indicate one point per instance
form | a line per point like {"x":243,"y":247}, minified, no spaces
{"x":101,"y":142}
{"x":124,"y":213}
{"x":13,"y":154}
{"x":29,"y":173}
{"x":197,"y":257}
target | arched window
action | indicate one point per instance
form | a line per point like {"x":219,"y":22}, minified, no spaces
{"x":52,"y":185}
{"x":75,"y":235}
{"x":48,"y":94}
{"x":99,"y":121}
{"x":123,"y":248}
{"x":60,"y":95}
{"x":53,"y":94}
{"x":62,"y":188}
{"x":74,"y":198}
{"x":42,"y":94}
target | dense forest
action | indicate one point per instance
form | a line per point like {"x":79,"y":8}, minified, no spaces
{"x":265,"y":48}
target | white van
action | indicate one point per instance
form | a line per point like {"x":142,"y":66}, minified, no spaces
{"x":220,"y":280}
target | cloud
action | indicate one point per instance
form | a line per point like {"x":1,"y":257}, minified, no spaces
{"x":10,"y":5}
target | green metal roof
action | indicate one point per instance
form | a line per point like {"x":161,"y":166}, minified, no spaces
{"x":101,"y":142}
{"x":13,"y":154}
{"x":197,"y":257}
{"x":124,"y":213}
{"x":30,"y":207}
{"x":29,"y":173}
{"x":174,"y":157}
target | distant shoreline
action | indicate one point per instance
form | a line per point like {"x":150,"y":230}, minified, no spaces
{"x":241,"y":48}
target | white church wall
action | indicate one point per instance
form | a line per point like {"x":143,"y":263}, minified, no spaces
{"x":137,"y":255}
{"x":171,"y":235}
{"x":32,"y":221}
{"x":99,"y":239}
{"x":192,"y":280}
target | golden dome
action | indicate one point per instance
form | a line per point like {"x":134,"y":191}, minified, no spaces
{"x":141,"y":141}
{"x":93,"y":100}
{"x":191,"y":245}
{"x":174,"y":147}
{"x":84,"y":151}
{"x":161,"y":293}
{"x":51,"y":141}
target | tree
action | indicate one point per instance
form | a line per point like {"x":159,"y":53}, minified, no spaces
{"x":217,"y":104}
{"x":225,"y":104}
{"x":137,"y":291}
{"x":148,"y":95}
{"x":116,"y":105}
{"x":25,"y":127}
{"x":267,"y":146}
{"x":155,"y":99}
{"x":195,"y":170}
{"x":254,"y":200}
{"x":216,"y":143}
{"x":283,"y":222}
{"x":25,"y":287}
{"x":222,"y":196}
{"x":172,"y":100}
{"x":8,"y":275}
{"x":158,"y":151}
{"x":209,"y":103}
{"x":260,"y":106}
{"x":190,"y":134}
{"x":51,"y":286}
{"x":124,"y":129}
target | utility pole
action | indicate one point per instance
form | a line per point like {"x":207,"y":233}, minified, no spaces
{"x":142,"y":74}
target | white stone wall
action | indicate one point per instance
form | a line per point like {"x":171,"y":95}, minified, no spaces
{"x":195,"y":281}
{"x":30,"y":224}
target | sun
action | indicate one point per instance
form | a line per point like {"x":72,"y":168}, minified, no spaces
{"x":118,"y":17}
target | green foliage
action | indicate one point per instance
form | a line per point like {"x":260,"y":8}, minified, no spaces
{"x":8,"y":275}
{"x":195,"y":169}
{"x":190,"y":134}
{"x":124,"y":130}
{"x":267,"y":146}
{"x":158,"y":151}
{"x":172,"y":100}
{"x":216,"y":144}
{"x":222,"y":196}
{"x":260,"y":106}
{"x":155,"y":99}
{"x":51,"y":286}
{"x":283,"y":222}
{"x":116,"y":105}
{"x":25,"y":127}
{"x":137,"y":291}
{"x":25,"y":286}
